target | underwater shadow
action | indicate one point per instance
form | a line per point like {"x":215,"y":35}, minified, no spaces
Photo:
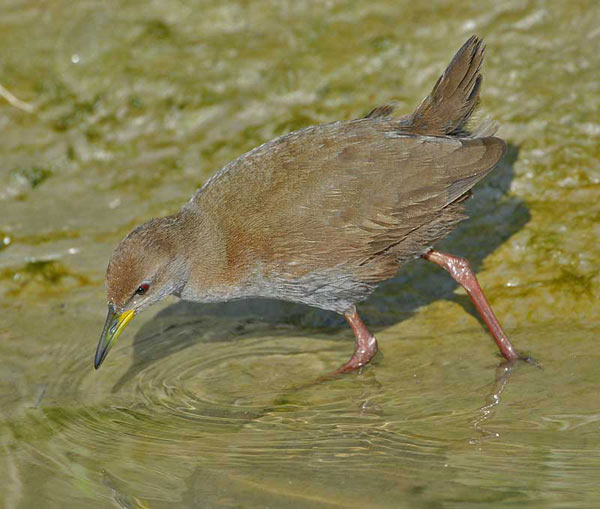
{"x":493,"y":218}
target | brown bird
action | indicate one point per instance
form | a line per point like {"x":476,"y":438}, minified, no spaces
{"x":322,"y":215}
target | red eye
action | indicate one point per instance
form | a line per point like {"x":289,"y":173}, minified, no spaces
{"x":142,"y":289}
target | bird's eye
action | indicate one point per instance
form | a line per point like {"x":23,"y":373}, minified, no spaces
{"x":142,"y":289}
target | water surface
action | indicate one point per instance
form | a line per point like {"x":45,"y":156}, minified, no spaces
{"x":127,"y":109}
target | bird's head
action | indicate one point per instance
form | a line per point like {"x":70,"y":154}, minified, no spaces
{"x":145,"y":268}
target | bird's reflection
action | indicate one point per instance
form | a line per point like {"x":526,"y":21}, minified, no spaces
{"x":481,"y":424}
{"x":118,"y":489}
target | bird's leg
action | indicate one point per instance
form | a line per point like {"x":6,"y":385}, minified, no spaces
{"x":366,"y":344}
{"x":461,"y":272}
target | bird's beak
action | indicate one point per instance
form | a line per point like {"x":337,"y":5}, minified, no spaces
{"x":113,"y":327}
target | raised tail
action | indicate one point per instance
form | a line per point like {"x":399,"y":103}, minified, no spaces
{"x":446,"y":110}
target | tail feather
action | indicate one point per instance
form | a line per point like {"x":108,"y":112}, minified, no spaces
{"x":454,"y":97}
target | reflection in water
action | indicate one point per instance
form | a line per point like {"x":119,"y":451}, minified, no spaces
{"x":42,"y":393}
{"x":503,"y":373}
{"x":122,"y":499}
{"x":239,"y":419}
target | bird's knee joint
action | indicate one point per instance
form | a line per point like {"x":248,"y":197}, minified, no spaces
{"x":461,"y":270}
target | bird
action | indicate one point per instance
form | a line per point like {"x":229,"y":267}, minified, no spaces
{"x":322,"y":215}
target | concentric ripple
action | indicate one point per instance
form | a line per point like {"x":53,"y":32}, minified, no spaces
{"x":231,"y":406}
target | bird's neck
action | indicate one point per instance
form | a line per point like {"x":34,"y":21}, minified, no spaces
{"x":203,"y":247}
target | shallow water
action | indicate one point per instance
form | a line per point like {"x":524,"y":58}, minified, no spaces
{"x":128,"y":109}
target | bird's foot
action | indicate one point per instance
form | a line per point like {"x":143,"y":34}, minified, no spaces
{"x":521,"y":358}
{"x":356,"y":362}
{"x":366,"y":345}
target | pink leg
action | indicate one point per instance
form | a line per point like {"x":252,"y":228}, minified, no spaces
{"x":461,"y":272}
{"x":366,"y":344}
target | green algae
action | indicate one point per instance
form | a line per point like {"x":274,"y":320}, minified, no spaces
{"x":43,"y":238}
{"x":34,"y":175}
{"x":42,"y":277}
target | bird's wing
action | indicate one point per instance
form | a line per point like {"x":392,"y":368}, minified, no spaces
{"x":341,"y":192}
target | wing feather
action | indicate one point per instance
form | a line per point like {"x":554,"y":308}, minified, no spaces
{"x":342,"y":193}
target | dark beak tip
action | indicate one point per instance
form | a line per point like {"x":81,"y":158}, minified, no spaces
{"x":105,"y":338}
{"x":98,"y":360}
{"x":101,"y":353}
